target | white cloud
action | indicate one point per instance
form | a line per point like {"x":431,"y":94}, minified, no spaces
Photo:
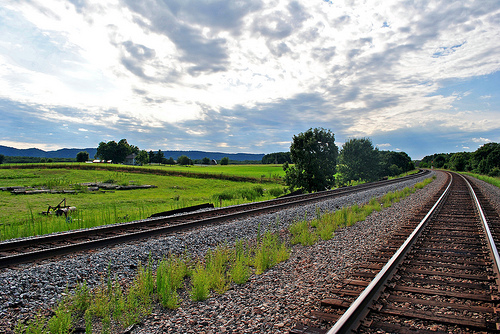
{"x":481,"y":140}
{"x":359,"y":69}
{"x":25,"y":145}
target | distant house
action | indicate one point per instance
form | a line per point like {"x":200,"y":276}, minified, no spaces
{"x":130,"y":159}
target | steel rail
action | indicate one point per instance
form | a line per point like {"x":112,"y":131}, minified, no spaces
{"x":359,"y":308}
{"x":116,"y":239}
{"x":489,"y":236}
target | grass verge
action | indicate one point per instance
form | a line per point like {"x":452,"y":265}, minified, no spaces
{"x":489,"y":179}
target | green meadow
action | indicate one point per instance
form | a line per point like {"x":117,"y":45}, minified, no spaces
{"x":176,"y":187}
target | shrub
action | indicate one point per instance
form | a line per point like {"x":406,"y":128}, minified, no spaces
{"x":61,"y":321}
{"x":216,"y":261}
{"x":302,"y":233}
{"x":200,"y":283}
{"x":275,"y":192}
{"x":495,"y":172}
{"x":224,"y":196}
{"x":269,"y":252}
{"x":169,"y":276}
{"x":239,"y":263}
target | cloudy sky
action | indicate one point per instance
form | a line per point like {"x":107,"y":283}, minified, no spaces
{"x":245,"y":76}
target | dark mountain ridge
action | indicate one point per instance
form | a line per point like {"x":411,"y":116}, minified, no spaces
{"x":71,"y":153}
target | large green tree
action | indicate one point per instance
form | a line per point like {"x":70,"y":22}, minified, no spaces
{"x":117,"y":152}
{"x":314,"y":154}
{"x":82,"y":156}
{"x":394,"y":163}
{"x":358,"y":160}
{"x":460,"y":161}
{"x":487,"y":157}
{"x":183,"y":160}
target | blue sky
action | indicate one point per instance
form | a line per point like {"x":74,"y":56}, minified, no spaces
{"x":235,"y":76}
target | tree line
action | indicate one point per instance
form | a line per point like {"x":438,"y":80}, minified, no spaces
{"x":31,"y":160}
{"x":485,"y":160}
{"x":118,"y":153}
{"x":319,"y":164}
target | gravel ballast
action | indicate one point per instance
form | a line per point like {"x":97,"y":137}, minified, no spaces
{"x":269,"y":303}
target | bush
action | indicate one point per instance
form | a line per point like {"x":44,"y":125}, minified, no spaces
{"x":495,"y":172}
{"x":200,"y":283}
{"x":223,"y":196}
{"x":275,"y":192}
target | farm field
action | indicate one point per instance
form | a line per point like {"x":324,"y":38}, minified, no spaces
{"x":20,"y":215}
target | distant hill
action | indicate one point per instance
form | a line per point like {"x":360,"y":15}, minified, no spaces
{"x":38,"y":153}
{"x":71,"y":153}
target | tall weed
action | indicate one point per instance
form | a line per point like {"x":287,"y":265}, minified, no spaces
{"x":169,"y":277}
{"x":268,"y":252}
{"x":216,"y":261}
{"x":200,"y":283}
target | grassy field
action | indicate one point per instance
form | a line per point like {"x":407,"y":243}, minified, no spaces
{"x":20,"y":215}
{"x":489,"y":179}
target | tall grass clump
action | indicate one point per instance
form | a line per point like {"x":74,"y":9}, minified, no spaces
{"x":169,"y":278}
{"x":35,"y":325}
{"x":200,"y":283}
{"x":216,"y":261}
{"x":275,"y":192}
{"x":494,"y":180}
{"x":239,"y":268}
{"x":269,"y":251}
{"x":302,"y":233}
{"x":324,"y":225}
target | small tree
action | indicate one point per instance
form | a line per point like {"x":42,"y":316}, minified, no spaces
{"x":170,"y":161}
{"x":184,"y":160}
{"x":358,"y":160}
{"x":82,"y":156}
{"x":205,"y":161}
{"x":159,"y":157}
{"x":314,"y":154}
{"x":224,"y":161}
{"x":2,"y":158}
{"x":142,"y":158}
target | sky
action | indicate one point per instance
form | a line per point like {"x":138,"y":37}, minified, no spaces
{"x":236,"y":76}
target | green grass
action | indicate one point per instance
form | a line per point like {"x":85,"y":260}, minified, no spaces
{"x":269,"y":251}
{"x":169,"y":278}
{"x":489,"y":179}
{"x":20,"y":214}
{"x":250,"y":173}
{"x":307,"y":232}
{"x":260,"y":172}
{"x":404,"y":174}
{"x":303,"y":233}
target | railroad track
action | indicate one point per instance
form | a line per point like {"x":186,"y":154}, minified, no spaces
{"x":438,"y":275}
{"x":32,"y":249}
